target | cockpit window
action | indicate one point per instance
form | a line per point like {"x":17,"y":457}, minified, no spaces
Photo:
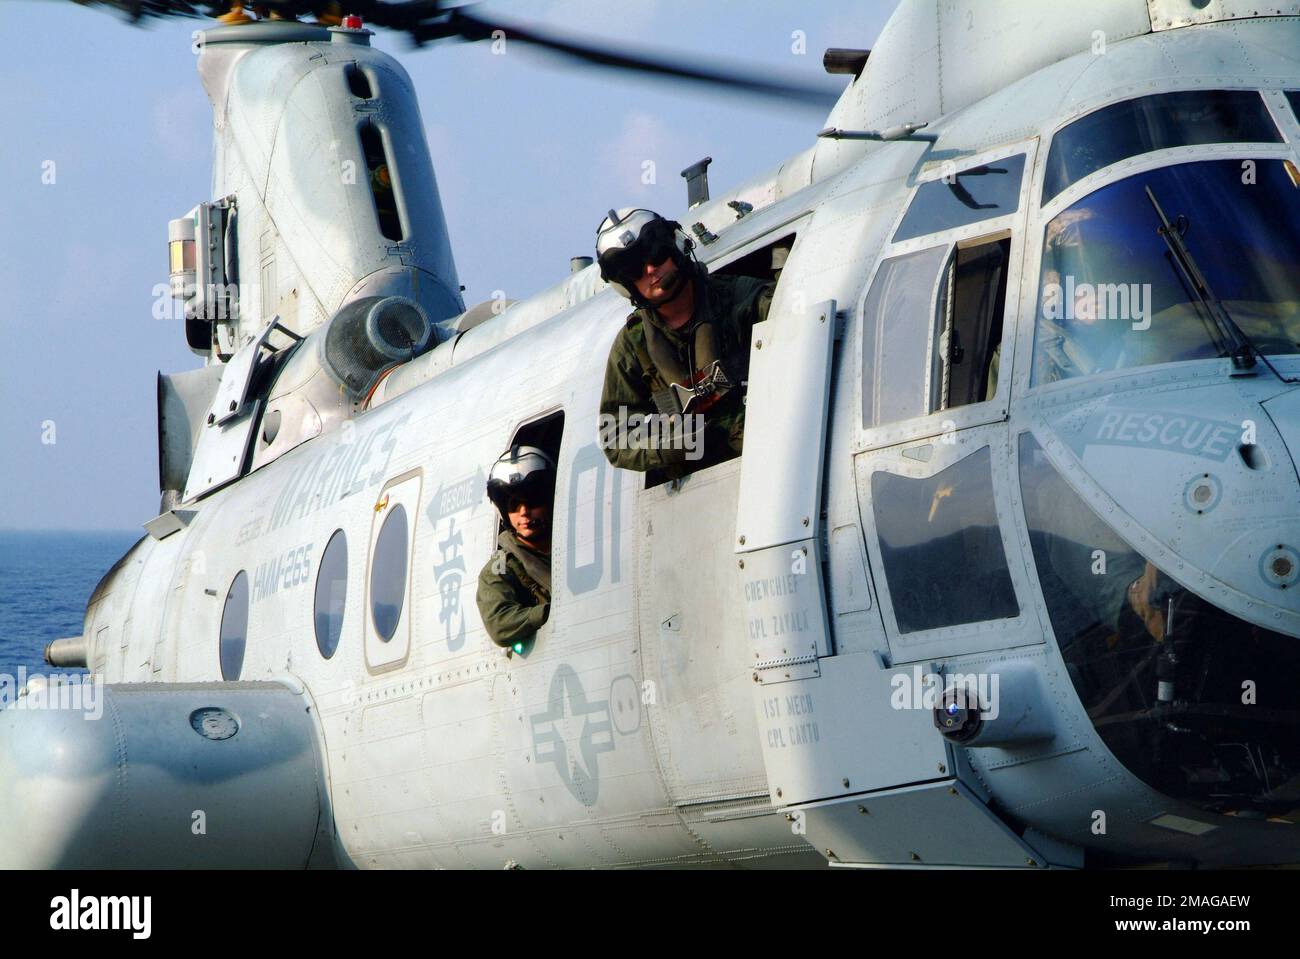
{"x":1112,"y":296}
{"x":1158,"y":122}
{"x":898,"y":326}
{"x":1199,"y":704}
{"x":941,"y":546}
{"x":965,"y":197}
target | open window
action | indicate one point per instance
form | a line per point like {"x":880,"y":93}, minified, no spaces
{"x":933,"y":316}
{"x":536,"y":529}
{"x":763,"y":263}
{"x":972,"y":302}
{"x":545,"y":434}
{"x":932,"y":330}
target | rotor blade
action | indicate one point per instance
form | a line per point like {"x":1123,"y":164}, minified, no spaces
{"x":428,"y":20}
{"x":136,"y":10}
{"x":731,"y":78}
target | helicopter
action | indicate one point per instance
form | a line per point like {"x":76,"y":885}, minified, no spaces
{"x":1005,"y":577}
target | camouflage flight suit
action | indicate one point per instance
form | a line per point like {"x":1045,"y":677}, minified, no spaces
{"x":514,"y":591}
{"x":732,"y":304}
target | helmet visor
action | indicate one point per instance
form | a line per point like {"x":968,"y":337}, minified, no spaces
{"x":532,"y":491}
{"x":627,"y":264}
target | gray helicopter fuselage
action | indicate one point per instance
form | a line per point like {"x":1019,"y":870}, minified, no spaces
{"x":736,"y":666}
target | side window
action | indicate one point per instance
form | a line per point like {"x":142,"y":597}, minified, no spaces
{"x":941,"y":547}
{"x":545,"y":434}
{"x":932,"y":319}
{"x":388,"y":569}
{"x":932,"y":330}
{"x":964,"y":197}
{"x":972,"y":301}
{"x":331,"y":594}
{"x":234,"y":629}
{"x":898,"y":328}
{"x":390,"y":577}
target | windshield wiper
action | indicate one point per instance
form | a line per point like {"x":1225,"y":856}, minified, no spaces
{"x":1239,"y":346}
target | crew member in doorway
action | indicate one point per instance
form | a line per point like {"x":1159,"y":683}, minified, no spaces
{"x":514,"y":587}
{"x":683,"y":352}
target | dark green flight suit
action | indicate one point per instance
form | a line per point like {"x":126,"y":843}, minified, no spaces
{"x":732,"y":304}
{"x":514,"y":591}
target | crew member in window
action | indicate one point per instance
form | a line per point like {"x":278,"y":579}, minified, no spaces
{"x":683,"y":350}
{"x":514,"y":587}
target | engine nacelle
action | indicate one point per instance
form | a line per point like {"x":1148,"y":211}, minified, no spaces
{"x":204,"y":775}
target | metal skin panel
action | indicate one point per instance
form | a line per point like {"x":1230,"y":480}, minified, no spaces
{"x":937,"y":57}
{"x":232,"y":392}
{"x":784,"y":611}
{"x":142,"y":614}
{"x":392,"y":809}
{"x":1171,"y":14}
{"x":299,"y":420}
{"x":733,"y":827}
{"x":222,"y":452}
{"x":184,"y":400}
{"x":985,"y":48}
{"x":699,"y":663}
{"x":195,"y":601}
{"x":785,"y":417}
{"x":109,"y":606}
{"x":574,"y":748}
{"x":1284,"y":412}
{"x":849,"y":590}
{"x":940,"y":824}
{"x":840,"y":733}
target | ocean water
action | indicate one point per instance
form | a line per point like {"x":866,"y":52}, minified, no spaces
{"x":45,"y":580}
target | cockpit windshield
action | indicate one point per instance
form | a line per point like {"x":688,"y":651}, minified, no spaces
{"x":1111,"y":295}
{"x":1161,"y":121}
{"x":1199,"y":704}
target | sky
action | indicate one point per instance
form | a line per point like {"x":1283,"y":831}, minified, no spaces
{"x":109,"y":137}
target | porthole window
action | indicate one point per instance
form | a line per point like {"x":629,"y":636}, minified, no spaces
{"x":388,"y":574}
{"x":234,"y":628}
{"x":331,"y":594}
